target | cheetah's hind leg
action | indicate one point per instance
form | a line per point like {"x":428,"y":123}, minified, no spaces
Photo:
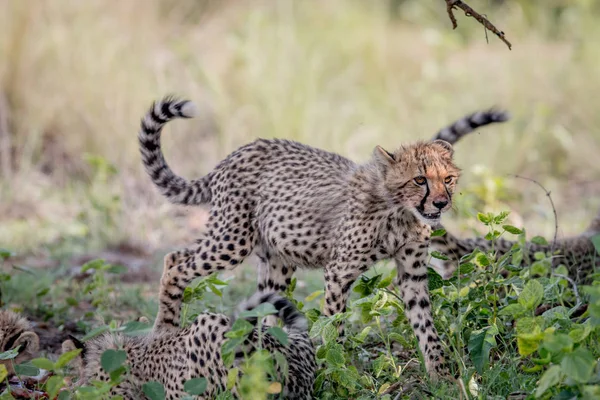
{"x":273,"y":276}
{"x":223,"y":247}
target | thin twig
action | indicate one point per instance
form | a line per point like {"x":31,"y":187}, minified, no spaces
{"x":551,"y":203}
{"x":469,"y":12}
{"x":574,"y":284}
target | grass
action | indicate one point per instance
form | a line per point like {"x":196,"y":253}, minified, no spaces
{"x":341,"y":75}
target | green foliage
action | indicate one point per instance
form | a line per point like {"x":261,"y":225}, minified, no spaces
{"x":501,"y":342}
{"x":154,"y":390}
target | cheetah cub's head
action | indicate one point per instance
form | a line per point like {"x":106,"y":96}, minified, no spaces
{"x":15,"y":333}
{"x":420,"y":177}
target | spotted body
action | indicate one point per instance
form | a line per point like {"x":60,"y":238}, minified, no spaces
{"x":172,"y":355}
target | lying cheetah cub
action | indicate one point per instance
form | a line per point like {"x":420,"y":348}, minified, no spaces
{"x":172,"y":355}
{"x":298,"y":206}
{"x":15,"y":333}
{"x":577,"y":253}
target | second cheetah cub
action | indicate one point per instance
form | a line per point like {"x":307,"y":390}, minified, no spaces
{"x":299,"y":206}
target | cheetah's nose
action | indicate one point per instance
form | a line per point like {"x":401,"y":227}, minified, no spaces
{"x":440,"y":204}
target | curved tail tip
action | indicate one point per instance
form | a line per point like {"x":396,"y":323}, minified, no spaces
{"x":189,"y":110}
{"x":503,"y":116}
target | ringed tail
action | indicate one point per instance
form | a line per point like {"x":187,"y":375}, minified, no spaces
{"x":287,"y":312}
{"x":175,"y":188}
{"x":467,"y":124}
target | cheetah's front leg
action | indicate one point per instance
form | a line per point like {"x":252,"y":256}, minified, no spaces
{"x":339,"y":277}
{"x":412,"y":275}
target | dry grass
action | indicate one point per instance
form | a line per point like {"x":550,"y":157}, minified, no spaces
{"x":342,"y":75}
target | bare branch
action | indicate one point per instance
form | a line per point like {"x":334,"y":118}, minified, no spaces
{"x":551,"y":203}
{"x":451,"y":5}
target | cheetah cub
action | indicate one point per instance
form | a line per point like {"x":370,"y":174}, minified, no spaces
{"x":577,"y":253}
{"x":172,"y":355}
{"x":15,"y":332}
{"x":299,"y":206}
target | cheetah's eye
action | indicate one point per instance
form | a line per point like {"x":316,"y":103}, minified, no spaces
{"x":420,"y":180}
{"x":448,"y":179}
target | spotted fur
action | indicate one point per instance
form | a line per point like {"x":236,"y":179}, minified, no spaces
{"x":577,"y":253}
{"x":15,"y":332}
{"x":297,"y":206}
{"x":172,"y":355}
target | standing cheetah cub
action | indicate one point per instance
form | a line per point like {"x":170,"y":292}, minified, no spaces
{"x":298,"y":206}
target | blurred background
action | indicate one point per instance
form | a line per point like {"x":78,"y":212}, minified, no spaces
{"x":77,"y":76}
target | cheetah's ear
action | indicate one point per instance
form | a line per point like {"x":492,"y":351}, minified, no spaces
{"x":29,"y":342}
{"x":444,"y":145}
{"x":383,"y":156}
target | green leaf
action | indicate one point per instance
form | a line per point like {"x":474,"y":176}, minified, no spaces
{"x":43,"y":363}
{"x":66,"y":358}
{"x":4,"y":254}
{"x":580,"y":333}
{"x":279,"y":334}
{"x":379,"y":364}
{"x":94,"y":264}
{"x":240,"y":328}
{"x":529,"y":325}
{"x":501,"y":217}
{"x":112,"y":359}
{"x":136,"y":328}
{"x":64,"y":395}
{"x":335,"y":357}
{"x":517,"y":257}
{"x":591,"y":392}
{"x":439,"y":256}
{"x":72,"y":301}
{"x":232,"y":376}
{"x":53,"y":385}
{"x":532,"y":295}
{"x":558,"y":343}
{"x":195,"y":386}
{"x":329,"y":333}
{"x":154,"y":390}
{"x":513,"y":310}
{"x":466,"y":268}
{"x":551,"y":377}
{"x":539,"y":241}
{"x":438,"y":232}
{"x":485,"y":218}
{"x":10,"y":354}
{"x":116,"y":374}
{"x":579,"y":365}
{"x":539,"y":268}
{"x":95,"y":332}
{"x":528,"y":343}
{"x":482,"y":260}
{"x":512,"y":229}
{"x":396,"y":337}
{"x":434,"y":280}
{"x":480,"y":344}
{"x":3,"y":372}
{"x":27,"y":369}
